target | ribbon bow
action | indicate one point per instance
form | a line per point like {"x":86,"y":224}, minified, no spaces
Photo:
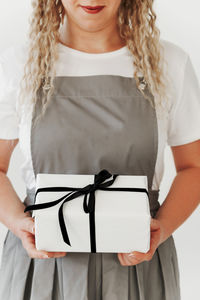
{"x":88,"y":206}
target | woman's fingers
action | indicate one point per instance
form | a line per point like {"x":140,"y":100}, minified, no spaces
{"x":136,"y":257}
{"x":125,"y":260}
{"x":27,"y":225}
{"x":155,"y":224}
{"x":28,"y":241}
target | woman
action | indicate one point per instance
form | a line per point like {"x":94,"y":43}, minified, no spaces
{"x":97,"y":78}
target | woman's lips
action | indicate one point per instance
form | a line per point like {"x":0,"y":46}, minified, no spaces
{"x":92,"y":9}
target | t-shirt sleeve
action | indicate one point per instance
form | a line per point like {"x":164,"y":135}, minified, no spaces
{"x":184,"y":119}
{"x":9,"y":121}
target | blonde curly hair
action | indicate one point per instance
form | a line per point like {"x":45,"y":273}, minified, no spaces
{"x":136,"y":22}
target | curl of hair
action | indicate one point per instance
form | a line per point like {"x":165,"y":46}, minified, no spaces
{"x":136,"y":23}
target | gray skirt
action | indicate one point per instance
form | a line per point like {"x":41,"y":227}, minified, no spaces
{"x":87,"y":276}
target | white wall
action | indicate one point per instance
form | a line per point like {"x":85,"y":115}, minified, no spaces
{"x":13,"y":25}
{"x":179,"y":22}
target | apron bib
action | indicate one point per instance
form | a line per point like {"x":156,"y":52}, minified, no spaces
{"x":93,"y":123}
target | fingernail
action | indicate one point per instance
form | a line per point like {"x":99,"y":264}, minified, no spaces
{"x":131,"y":254}
{"x":32,"y":229}
{"x":45,"y":256}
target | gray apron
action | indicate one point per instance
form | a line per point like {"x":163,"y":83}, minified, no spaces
{"x":92,"y":123}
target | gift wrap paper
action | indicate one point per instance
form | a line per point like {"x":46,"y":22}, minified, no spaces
{"x":122,"y":218}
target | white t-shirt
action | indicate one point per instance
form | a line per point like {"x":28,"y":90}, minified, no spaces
{"x":181,"y":126}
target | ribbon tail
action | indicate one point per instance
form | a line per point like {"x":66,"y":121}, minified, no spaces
{"x":41,"y":205}
{"x":62,"y":225}
{"x":44,"y":205}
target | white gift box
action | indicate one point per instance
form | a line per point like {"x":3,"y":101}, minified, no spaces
{"x":121,"y":218}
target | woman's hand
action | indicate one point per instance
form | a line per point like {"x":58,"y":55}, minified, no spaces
{"x":25,"y":230}
{"x":134,"y":258}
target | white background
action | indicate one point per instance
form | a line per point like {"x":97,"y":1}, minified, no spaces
{"x":179,"y":22}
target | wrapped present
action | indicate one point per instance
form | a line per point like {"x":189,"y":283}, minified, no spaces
{"x":91,"y":213}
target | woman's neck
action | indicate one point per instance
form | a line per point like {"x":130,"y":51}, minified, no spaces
{"x":104,"y":40}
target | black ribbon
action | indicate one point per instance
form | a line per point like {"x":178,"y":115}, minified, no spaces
{"x":88,"y":206}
